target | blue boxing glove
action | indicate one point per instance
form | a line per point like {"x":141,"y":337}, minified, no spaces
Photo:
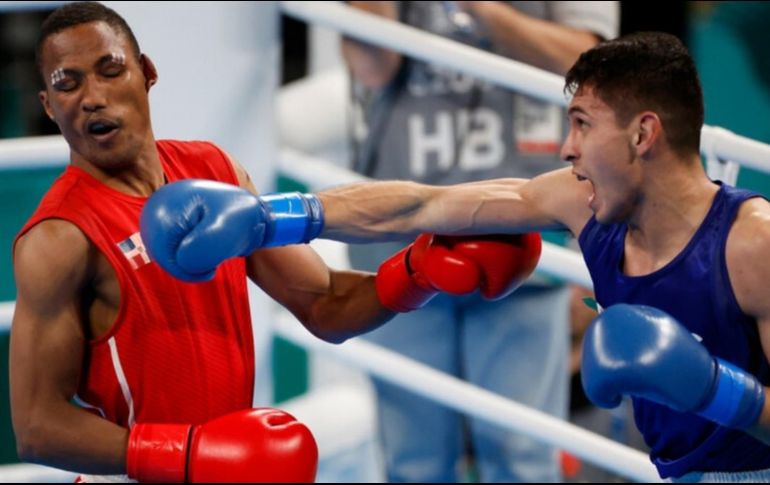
{"x":191,"y":226}
{"x":641,"y":351}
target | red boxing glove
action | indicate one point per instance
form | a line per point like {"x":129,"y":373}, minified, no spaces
{"x":504,"y":260}
{"x":495,"y":264}
{"x":253,"y":445}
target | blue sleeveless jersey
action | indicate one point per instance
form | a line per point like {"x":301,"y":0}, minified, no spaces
{"x":695,"y":289}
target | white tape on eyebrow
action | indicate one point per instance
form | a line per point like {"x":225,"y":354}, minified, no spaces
{"x":57,"y":76}
{"x":119,"y":58}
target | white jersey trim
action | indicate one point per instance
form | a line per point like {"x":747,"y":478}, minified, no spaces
{"x":121,"y":376}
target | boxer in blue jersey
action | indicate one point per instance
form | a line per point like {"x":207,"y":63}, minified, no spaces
{"x":680,"y":262}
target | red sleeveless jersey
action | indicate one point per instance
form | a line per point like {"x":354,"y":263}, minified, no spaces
{"x":177,"y":352}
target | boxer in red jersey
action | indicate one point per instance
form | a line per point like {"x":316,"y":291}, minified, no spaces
{"x":116,"y":366}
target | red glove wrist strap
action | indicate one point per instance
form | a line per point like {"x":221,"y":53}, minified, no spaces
{"x":158,"y":452}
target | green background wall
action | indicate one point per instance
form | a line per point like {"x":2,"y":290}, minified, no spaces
{"x":731,"y":45}
{"x":20,"y":192}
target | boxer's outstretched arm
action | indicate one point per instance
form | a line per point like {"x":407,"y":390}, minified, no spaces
{"x":46,"y":356}
{"x":397,"y":210}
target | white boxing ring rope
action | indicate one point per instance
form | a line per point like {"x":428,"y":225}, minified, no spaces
{"x":717,"y":144}
{"x":428,"y":47}
{"x":33,"y":152}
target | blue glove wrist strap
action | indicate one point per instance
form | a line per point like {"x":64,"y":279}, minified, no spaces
{"x":738,"y":398}
{"x":294,"y":218}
